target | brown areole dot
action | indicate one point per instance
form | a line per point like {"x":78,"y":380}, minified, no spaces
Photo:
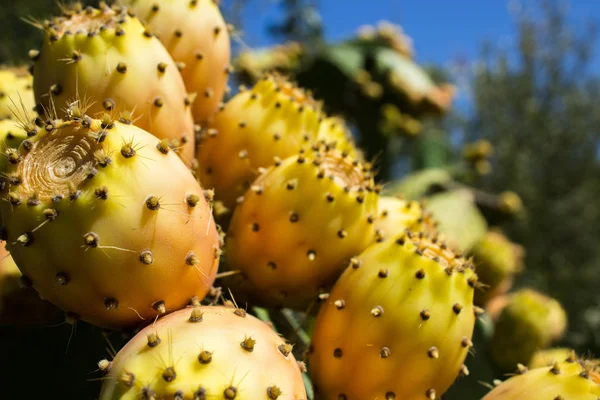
{"x":230,"y":393}
{"x":146,"y":257}
{"x":169,"y":374}
{"x":196,"y":315}
{"x":248,"y":344}
{"x":205,"y":357}
{"x":153,"y":340}
{"x":62,"y":278}
{"x":111,"y":303}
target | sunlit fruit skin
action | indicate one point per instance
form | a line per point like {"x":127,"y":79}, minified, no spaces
{"x":528,"y":322}
{"x":298,"y":226}
{"x":398,"y":323}
{"x":16,"y":93}
{"x":107,"y":223}
{"x":108,"y":61}
{"x":547,"y":357}
{"x":395,"y":215}
{"x":212,"y":352}
{"x":272,"y":119}
{"x":197,"y":38}
{"x":571,"y":379}
{"x":334,"y":132}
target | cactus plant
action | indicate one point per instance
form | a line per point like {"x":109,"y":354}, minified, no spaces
{"x":16,"y":92}
{"x":528,"y":322}
{"x":314,"y":212}
{"x":108,"y":62}
{"x":547,"y":357}
{"x":197,"y":38}
{"x":497,"y":260}
{"x":12,"y":133}
{"x":397,"y":325}
{"x":570,"y":379}
{"x":334,"y":132}
{"x":396,"y":215}
{"x":98,"y":226}
{"x":201,"y":353}
{"x":273,"y":119}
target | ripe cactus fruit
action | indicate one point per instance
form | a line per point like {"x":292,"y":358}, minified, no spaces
{"x":212,"y":352}
{"x":334,"y":132}
{"x":273,"y":119}
{"x":396,"y":215}
{"x":99,"y":226}
{"x":497,"y":260}
{"x":571,"y":379}
{"x":109,"y":57}
{"x":530,"y":321}
{"x":16,"y":92}
{"x":397,"y":325}
{"x":298,"y":225}
{"x":547,"y":357}
{"x":197,"y":38}
{"x":20,"y":306}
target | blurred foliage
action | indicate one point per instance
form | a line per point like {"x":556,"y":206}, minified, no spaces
{"x":538,"y":107}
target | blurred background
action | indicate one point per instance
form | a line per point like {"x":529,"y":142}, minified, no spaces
{"x":490,"y":110}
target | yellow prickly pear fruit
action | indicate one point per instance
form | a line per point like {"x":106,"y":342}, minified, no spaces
{"x":204,"y":353}
{"x":547,"y":357}
{"x":396,"y":215}
{"x":530,"y":321}
{"x":273,"y":119}
{"x":397,"y":325}
{"x":334,"y":133}
{"x":108,"y":62}
{"x":16,"y":92}
{"x":107,"y":223}
{"x":497,"y":260}
{"x":571,"y":379}
{"x":298,"y":226}
{"x":20,"y":306}
{"x":194,"y":33}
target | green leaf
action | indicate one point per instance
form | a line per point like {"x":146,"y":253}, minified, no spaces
{"x":459,"y":218}
{"x":417,"y":184}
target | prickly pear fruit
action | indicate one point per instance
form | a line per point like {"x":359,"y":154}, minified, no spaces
{"x":16,"y":92}
{"x":530,"y":321}
{"x":566,"y":380}
{"x":106,"y":59}
{"x":397,"y":325}
{"x":212,"y":352}
{"x":298,"y":226}
{"x":396,"y":215}
{"x":197,"y":38}
{"x":107,"y":223}
{"x":497,"y":260}
{"x":273,"y":119}
{"x":334,"y":133}
{"x":20,"y":306}
{"x":547,"y":357}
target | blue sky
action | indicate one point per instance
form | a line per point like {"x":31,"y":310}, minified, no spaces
{"x":442,"y":30}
